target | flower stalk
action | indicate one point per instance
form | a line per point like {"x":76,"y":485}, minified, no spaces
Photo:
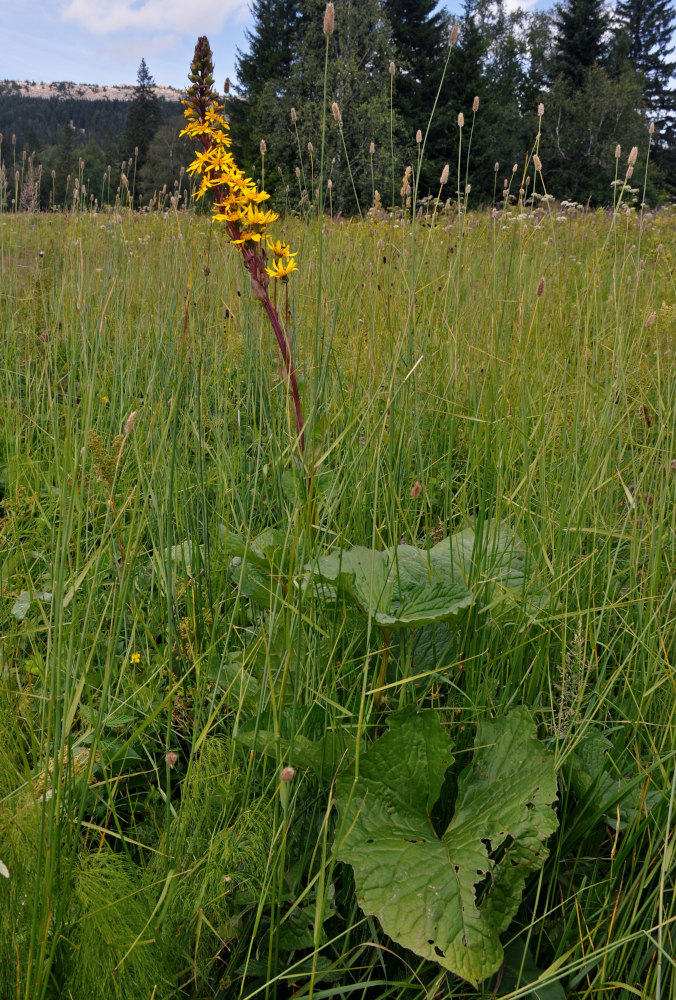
{"x":237,"y":204}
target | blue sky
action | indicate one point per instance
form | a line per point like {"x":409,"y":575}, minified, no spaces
{"x":103,"y":41}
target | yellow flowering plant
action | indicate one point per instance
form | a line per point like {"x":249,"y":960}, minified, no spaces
{"x":237,"y":204}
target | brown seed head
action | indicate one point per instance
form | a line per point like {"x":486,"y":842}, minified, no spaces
{"x":329,"y":184}
{"x":372,"y":148}
{"x":651,"y":128}
{"x":294,"y":117}
{"x":468,"y":188}
{"x":618,"y":151}
{"x":418,"y":137}
{"x":263,"y":147}
{"x":391,"y":67}
{"x":629,"y":172}
{"x":475,"y":105}
{"x":416,"y":489}
{"x":541,"y":287}
{"x":310,"y":148}
{"x":288,"y":773}
{"x":515,"y":168}
{"x":538,"y":162}
{"x":336,"y":112}
{"x":461,"y":119}
{"x":298,"y":172}
{"x":329,"y":19}
{"x":454,"y":34}
{"x":226,"y":86}
{"x":631,"y":159}
{"x":171,"y":759}
{"x":541,"y":109}
{"x":496,"y":167}
{"x":444,"y":175}
{"x":651,"y":319}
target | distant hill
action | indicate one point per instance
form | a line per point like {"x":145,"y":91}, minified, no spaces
{"x":36,"y":113}
{"x":64,"y":90}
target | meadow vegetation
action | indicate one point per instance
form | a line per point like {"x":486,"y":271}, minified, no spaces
{"x":203,"y":686}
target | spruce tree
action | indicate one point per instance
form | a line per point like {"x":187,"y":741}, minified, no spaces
{"x":419,"y":36}
{"x":144,"y":117}
{"x":580,"y":44}
{"x":648,"y":28}
{"x":260,"y":109}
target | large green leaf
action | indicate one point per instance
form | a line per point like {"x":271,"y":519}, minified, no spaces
{"x":447,"y":898}
{"x":404,"y":586}
{"x":394,"y":596}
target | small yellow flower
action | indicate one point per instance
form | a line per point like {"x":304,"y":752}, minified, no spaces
{"x":135,"y":657}
{"x":281,"y":268}
{"x":105,"y":399}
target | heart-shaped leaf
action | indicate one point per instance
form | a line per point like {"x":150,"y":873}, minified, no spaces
{"x":447,"y":898}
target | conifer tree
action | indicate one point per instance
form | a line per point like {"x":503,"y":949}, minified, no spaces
{"x":144,"y":117}
{"x":648,"y":28}
{"x":260,"y":109}
{"x":580,"y":44}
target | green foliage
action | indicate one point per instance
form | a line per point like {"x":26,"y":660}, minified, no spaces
{"x":112,"y":935}
{"x":447,"y":897}
{"x":143,"y":118}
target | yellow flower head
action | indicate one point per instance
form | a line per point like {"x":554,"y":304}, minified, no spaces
{"x":237,"y":198}
{"x":281,"y":268}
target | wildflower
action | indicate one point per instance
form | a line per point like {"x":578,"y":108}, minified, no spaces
{"x":105,"y":399}
{"x":135,"y":658}
{"x":171,"y":759}
{"x":281,"y":268}
{"x":237,"y":199}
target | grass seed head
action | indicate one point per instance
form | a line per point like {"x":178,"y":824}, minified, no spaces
{"x":541,"y":109}
{"x":294,"y":117}
{"x":372,"y":148}
{"x":263,"y":147}
{"x":541,"y":287}
{"x":475,"y":105}
{"x":329,"y":19}
{"x":336,"y":113}
{"x":461,"y":119}
{"x":631,"y":159}
{"x":392,"y":67}
{"x":454,"y":34}
{"x":618,"y":151}
{"x":444,"y":175}
{"x":418,"y":137}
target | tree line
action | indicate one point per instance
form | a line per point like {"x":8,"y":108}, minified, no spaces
{"x":600,"y":78}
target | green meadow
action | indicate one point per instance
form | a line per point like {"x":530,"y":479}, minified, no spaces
{"x":234,"y":673}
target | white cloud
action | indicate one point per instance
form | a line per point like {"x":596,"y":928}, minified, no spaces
{"x":105,"y":18}
{"x":512,"y":5}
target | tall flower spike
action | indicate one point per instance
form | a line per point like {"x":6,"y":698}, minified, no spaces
{"x":329,"y":19}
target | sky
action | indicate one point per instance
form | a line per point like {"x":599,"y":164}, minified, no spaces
{"x":103,"y":41}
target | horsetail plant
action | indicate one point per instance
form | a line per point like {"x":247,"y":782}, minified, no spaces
{"x":237,"y":203}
